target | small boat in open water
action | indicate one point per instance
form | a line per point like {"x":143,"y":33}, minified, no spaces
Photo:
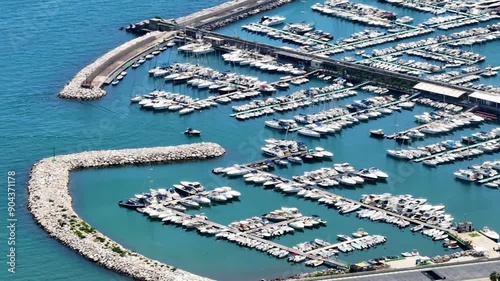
{"x":192,"y":132}
{"x":377,"y":134}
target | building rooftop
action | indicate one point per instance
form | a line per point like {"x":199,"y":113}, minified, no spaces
{"x":486,"y":96}
{"x":433,"y":88}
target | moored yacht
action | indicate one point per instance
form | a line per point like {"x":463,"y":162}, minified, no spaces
{"x":272,"y":20}
{"x":490,"y":233}
{"x":377,"y":134}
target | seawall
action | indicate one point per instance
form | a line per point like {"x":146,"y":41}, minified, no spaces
{"x":50,"y":203}
{"x":86,"y":85}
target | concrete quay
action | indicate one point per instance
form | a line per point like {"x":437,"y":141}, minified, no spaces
{"x":86,"y":85}
{"x":227,"y":12}
{"x":50,"y":203}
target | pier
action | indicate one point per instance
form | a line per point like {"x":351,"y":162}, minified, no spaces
{"x":121,"y":61}
{"x":489,"y":179}
{"x":249,"y":235}
{"x":366,"y":110}
{"x":298,"y":100}
{"x":456,"y":150}
{"x":393,"y":135}
{"x":339,"y":197}
{"x":335,"y":245}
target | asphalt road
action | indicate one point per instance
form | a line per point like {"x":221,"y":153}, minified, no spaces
{"x":454,"y":273}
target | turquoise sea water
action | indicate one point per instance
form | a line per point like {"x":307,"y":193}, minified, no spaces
{"x":48,"y":42}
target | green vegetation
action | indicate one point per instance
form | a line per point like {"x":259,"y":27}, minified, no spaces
{"x":79,"y":234}
{"x":100,"y":239}
{"x":118,"y":250}
{"x":174,"y":269}
{"x":474,"y":234}
{"x":495,"y":276}
{"x":84,"y":227}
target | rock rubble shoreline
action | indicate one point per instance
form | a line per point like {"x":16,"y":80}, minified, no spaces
{"x":50,"y":203}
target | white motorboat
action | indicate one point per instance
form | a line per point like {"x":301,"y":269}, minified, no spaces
{"x":186,"y":110}
{"x":350,"y":208}
{"x":417,"y":228}
{"x":234,"y":193}
{"x":298,"y":225}
{"x":467,"y":175}
{"x":380,"y":174}
{"x":201,"y":200}
{"x":325,"y":153}
{"x":294,"y":159}
{"x":190,"y":203}
{"x":367,"y":175}
{"x":204,"y":49}
{"x":343,"y":237}
{"x":272,"y":21}
{"x":217,"y":198}
{"x":192,"y":132}
{"x":175,"y":107}
{"x":359,"y":233}
{"x":309,"y":133}
{"x":490,"y":233}
{"x":346,"y":180}
{"x":291,"y":189}
{"x":234,"y":172}
{"x":137,"y":98}
{"x":172,"y":76}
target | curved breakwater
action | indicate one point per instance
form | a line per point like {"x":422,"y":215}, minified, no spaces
{"x":74,"y":89}
{"x":50,"y":204}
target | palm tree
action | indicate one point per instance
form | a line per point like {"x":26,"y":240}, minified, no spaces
{"x":494,"y":276}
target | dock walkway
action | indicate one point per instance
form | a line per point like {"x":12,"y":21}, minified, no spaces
{"x":249,"y":235}
{"x":333,"y":246}
{"x":489,"y":179}
{"x":364,"y":110}
{"x":456,"y":149}
{"x":391,"y":136}
{"x":298,"y":100}
{"x":366,"y":206}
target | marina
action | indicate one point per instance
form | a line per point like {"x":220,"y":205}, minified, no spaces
{"x":322,"y":76}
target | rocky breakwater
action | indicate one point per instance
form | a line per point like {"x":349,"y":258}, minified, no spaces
{"x":50,"y":204}
{"x":81,"y":87}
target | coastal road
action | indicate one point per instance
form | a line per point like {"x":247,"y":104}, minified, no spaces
{"x":459,"y":272}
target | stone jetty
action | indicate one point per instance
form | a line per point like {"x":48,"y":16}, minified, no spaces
{"x":50,"y":203}
{"x":81,"y":87}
